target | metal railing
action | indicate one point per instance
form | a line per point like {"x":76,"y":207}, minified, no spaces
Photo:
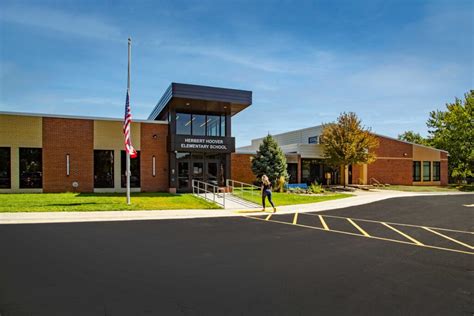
{"x":202,"y":189}
{"x":236,"y":186}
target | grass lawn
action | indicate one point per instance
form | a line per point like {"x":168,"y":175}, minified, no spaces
{"x":420,"y":188}
{"x":86,"y":202}
{"x":280,"y":199}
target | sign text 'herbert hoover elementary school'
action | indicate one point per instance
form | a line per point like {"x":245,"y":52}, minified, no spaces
{"x":203,"y":143}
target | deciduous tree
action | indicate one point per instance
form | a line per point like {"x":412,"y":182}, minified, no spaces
{"x":412,"y":137}
{"x":347,"y":142}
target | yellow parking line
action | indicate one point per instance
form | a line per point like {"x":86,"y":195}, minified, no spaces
{"x":399,"y":224}
{"x":323,"y":222}
{"x":447,"y":237}
{"x":358,"y":227}
{"x":268,"y":217}
{"x":371,"y":237}
{"x":295,"y":219}
{"x":403,"y":234}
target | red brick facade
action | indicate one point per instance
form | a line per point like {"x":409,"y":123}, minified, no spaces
{"x":242,"y":168}
{"x":68,"y":136}
{"x":393,"y":148}
{"x":153,"y":138}
{"x":444,"y":168}
{"x":391,"y":171}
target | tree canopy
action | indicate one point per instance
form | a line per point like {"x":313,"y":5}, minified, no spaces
{"x":412,"y":137}
{"x":270,"y":160}
{"x":453,"y":130}
{"x":348,"y":142}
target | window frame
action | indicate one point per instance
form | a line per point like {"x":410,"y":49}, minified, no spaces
{"x":429,"y":171}
{"x":98,"y":185}
{"x":8,"y":176}
{"x":416,"y":177}
{"x":123,"y":166}
{"x":436,"y":176}
{"x":39,"y":184}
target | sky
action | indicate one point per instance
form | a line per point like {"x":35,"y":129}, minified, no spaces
{"x":390,"y":62}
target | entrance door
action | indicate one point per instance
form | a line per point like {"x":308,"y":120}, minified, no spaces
{"x":212,"y":172}
{"x":183,"y":175}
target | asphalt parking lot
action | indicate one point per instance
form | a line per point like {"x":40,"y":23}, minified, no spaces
{"x":306,"y":264}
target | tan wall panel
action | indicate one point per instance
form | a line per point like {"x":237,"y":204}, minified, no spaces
{"x":425,"y":154}
{"x":19,"y":131}
{"x":109,"y":135}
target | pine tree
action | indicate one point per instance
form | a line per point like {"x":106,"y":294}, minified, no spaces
{"x":270,"y":160}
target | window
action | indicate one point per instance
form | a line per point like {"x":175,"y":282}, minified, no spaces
{"x":183,"y":124}
{"x":103,"y":168}
{"x":416,"y":171}
{"x":436,"y":171}
{"x":31,"y":168}
{"x":213,"y":125}
{"x":223,"y":125}
{"x":426,"y":170}
{"x":313,"y":140}
{"x":134,"y":170}
{"x":5,"y":168}
{"x":199,"y":125}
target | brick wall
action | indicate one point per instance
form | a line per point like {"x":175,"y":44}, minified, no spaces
{"x":157,"y":147}
{"x":393,"y":148}
{"x":391,"y":171}
{"x":242,"y":168}
{"x":444,"y":169}
{"x":73,"y":137}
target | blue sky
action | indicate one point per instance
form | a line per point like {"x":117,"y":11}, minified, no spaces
{"x":391,"y":62}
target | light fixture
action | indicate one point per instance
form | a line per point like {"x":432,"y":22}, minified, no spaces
{"x":153,"y":167}
{"x":155,"y":136}
{"x":67,"y":165}
{"x":187,"y":103}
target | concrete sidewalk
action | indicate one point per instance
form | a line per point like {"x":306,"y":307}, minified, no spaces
{"x":359,"y":198}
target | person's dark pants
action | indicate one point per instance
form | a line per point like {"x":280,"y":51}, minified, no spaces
{"x":268,"y":194}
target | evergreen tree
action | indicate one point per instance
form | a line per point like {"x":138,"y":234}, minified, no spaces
{"x":270,"y":160}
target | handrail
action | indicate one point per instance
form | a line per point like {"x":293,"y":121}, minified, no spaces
{"x":372,"y":180}
{"x":203,"y":187}
{"x":231,"y":183}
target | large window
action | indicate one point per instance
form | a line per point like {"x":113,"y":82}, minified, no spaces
{"x":134,"y":170}
{"x":183,"y":124}
{"x":200,"y":124}
{"x":31,"y":168}
{"x":426,"y":170}
{"x":5,"y":168}
{"x":436,"y":171}
{"x":103,"y":168}
{"x":416,"y":171}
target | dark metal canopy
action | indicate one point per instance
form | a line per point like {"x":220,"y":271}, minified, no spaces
{"x":204,"y":99}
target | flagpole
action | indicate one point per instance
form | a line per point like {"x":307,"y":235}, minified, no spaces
{"x":127,"y":169}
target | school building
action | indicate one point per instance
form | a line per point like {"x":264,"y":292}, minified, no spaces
{"x":187,"y":136}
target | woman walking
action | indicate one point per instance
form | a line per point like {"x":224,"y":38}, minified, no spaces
{"x":267,"y":192}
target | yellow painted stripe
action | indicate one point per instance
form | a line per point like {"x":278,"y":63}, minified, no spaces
{"x":371,"y":237}
{"x":403,"y":234}
{"x":449,"y":238}
{"x":399,"y":224}
{"x":268,"y":217}
{"x":323,"y":222}
{"x":358,"y":227}
{"x":295,"y":219}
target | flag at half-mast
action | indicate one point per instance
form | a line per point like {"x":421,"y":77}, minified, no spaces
{"x":126,"y":128}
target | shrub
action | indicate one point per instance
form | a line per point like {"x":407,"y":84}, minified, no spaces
{"x":316,"y":188}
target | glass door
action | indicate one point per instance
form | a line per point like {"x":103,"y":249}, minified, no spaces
{"x":183,"y":175}
{"x":212,"y":172}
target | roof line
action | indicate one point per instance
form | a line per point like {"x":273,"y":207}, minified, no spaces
{"x":79,"y":117}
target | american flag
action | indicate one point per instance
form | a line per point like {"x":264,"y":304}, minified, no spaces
{"x":126,"y":129}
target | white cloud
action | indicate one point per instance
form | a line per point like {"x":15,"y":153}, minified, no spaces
{"x":82,"y":25}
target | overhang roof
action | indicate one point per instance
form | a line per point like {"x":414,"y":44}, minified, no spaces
{"x":195,"y":97}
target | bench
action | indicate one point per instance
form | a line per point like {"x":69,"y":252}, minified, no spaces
{"x":303,"y":186}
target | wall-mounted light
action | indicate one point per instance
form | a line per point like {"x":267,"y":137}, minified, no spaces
{"x":153,"y":167}
{"x":67,"y":165}
{"x":155,"y":136}
{"x":405,"y":154}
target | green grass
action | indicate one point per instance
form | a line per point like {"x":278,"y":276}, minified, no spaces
{"x":82,"y":202}
{"x":280,"y":199}
{"x":420,"y":188}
